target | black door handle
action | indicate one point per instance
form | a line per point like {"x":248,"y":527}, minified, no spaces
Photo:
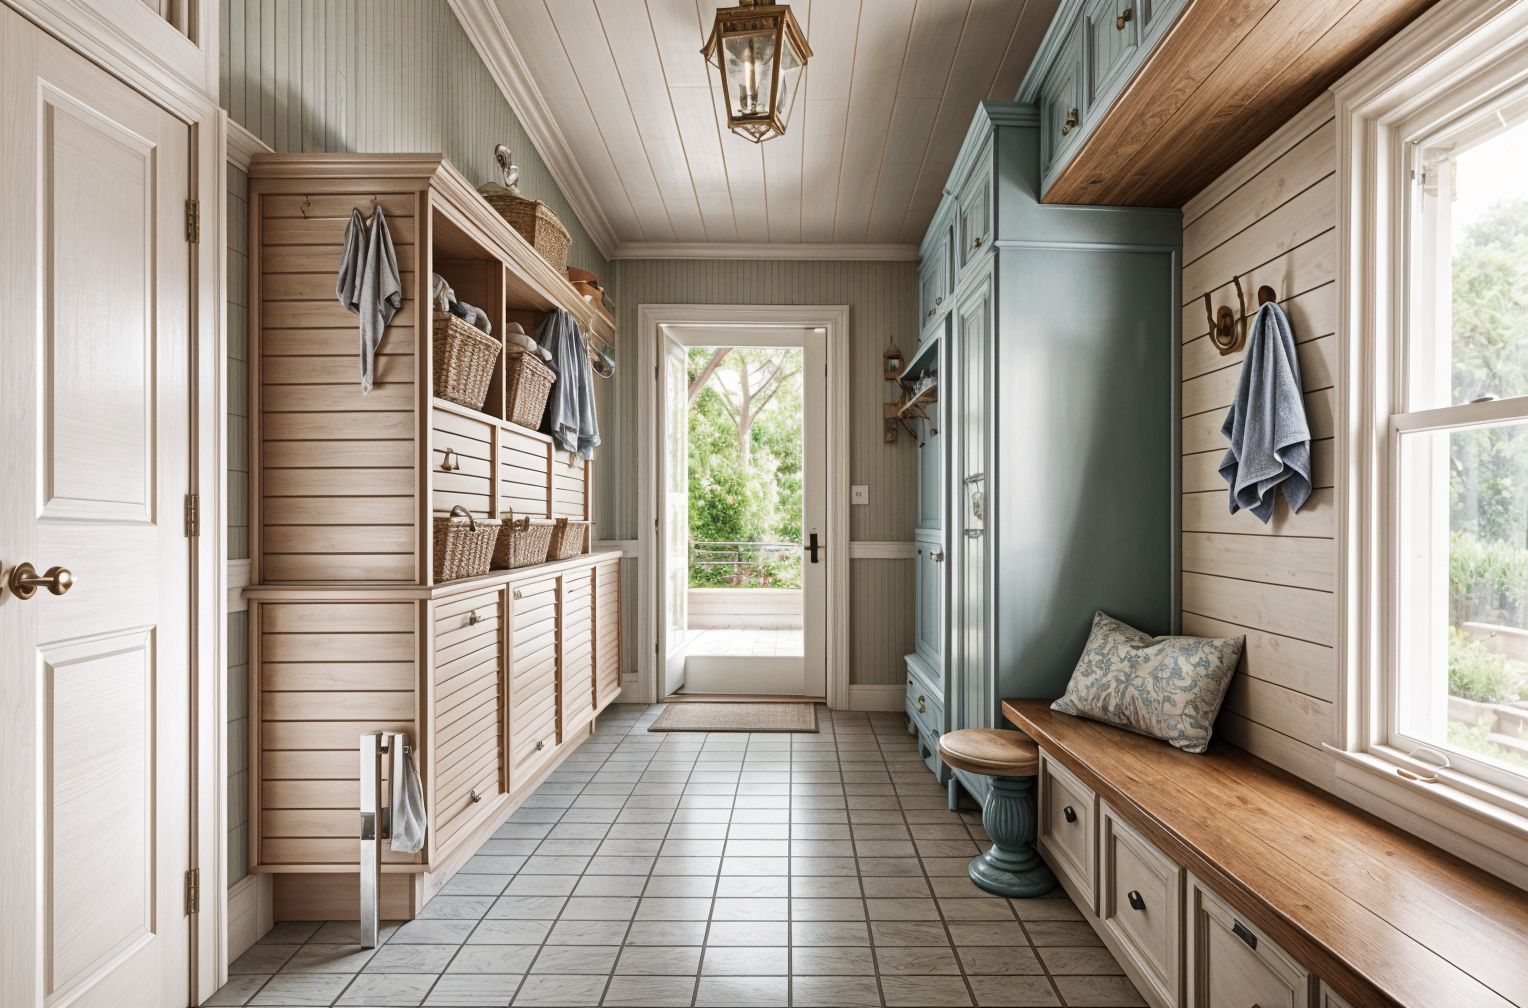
{"x":811,"y":546}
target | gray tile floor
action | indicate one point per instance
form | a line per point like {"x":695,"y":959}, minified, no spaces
{"x":721,"y":869}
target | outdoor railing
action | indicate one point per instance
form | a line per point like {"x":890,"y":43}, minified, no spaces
{"x":745,"y":565}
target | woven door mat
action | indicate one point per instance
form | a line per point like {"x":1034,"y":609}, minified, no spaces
{"x":737,"y":717}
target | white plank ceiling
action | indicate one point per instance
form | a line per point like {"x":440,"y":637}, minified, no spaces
{"x":885,"y":103}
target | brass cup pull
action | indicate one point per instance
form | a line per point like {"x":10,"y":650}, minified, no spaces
{"x":1069,"y":813}
{"x":1126,"y":16}
{"x":25,"y":580}
{"x":1136,"y":903}
{"x":1071,"y":122}
{"x":450,"y":462}
{"x":922,"y":704}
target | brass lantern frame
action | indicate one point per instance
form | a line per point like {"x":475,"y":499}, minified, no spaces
{"x":751,"y":18}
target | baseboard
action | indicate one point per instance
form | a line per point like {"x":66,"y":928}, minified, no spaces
{"x":250,"y":913}
{"x":877,"y":698}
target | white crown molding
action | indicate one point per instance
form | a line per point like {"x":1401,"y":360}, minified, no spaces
{"x":242,"y":145}
{"x":490,"y":37}
{"x":765,"y":250}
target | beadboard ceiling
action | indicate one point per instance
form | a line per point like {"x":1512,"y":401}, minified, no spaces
{"x":627,"y":115}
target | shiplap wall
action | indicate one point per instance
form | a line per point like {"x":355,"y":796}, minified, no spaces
{"x":882,"y":310}
{"x":1269,"y":220}
{"x":378,"y":76}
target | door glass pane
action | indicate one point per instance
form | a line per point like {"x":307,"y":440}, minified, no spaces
{"x":676,"y":487}
{"x":1463,"y":582}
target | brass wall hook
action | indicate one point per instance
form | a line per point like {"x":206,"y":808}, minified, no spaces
{"x":1228,"y":326}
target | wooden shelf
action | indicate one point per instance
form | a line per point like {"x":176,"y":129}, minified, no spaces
{"x":927,"y":394}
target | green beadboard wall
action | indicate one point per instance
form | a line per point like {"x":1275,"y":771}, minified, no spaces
{"x":378,"y":76}
{"x":882,"y":300}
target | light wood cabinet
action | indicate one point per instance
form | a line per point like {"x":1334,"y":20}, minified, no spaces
{"x":1232,"y":963}
{"x":1140,"y":902}
{"x":1067,"y":829}
{"x":494,"y":678}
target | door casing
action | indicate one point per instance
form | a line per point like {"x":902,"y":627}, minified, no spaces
{"x":833,"y":318}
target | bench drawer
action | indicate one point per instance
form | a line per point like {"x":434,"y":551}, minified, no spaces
{"x":1140,"y":902}
{"x":1068,"y":828}
{"x":1232,"y":963}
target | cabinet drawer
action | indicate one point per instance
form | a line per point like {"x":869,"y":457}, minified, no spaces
{"x":1111,"y":31}
{"x":1067,"y":830}
{"x":1140,"y":901}
{"x":461,"y":463}
{"x":1327,"y":998}
{"x":924,"y":707}
{"x":1232,"y":963}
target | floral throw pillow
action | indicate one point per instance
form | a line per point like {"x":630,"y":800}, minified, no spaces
{"x":1166,"y":687}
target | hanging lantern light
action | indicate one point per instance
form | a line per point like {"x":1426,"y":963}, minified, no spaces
{"x":760,"y":53}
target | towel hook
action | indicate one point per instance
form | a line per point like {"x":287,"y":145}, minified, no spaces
{"x":1225,"y":333}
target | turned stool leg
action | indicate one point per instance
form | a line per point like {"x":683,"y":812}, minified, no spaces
{"x":1011,"y":867}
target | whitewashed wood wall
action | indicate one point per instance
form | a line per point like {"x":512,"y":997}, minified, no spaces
{"x":1270,"y":220}
{"x":882,"y":310}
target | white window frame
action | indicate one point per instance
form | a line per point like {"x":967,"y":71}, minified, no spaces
{"x":1450,"y":61}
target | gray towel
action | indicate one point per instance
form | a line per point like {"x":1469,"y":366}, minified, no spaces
{"x":1270,"y":439}
{"x":570,"y":412}
{"x":407,"y":815}
{"x":368,"y":283}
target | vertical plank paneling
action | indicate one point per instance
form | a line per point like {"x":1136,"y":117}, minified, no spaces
{"x":1273,"y":584}
{"x":378,"y":76}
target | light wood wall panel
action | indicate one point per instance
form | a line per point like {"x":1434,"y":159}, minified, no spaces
{"x":1270,"y":220}
{"x":882,"y":300}
{"x":379,"y":76}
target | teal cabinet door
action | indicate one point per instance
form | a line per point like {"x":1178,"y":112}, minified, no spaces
{"x":1061,"y":106}
{"x":1111,"y":33}
{"x":928,"y":587}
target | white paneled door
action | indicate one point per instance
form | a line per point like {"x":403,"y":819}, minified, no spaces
{"x":95,"y":691}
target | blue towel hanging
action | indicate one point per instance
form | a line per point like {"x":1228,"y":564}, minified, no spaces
{"x":1266,"y":425}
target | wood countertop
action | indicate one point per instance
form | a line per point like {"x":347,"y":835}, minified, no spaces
{"x":1381,"y":916}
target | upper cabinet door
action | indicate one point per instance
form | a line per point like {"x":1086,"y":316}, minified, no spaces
{"x":1061,"y":111}
{"x":973,"y":211}
{"x":934,"y":282}
{"x":1111,"y":32}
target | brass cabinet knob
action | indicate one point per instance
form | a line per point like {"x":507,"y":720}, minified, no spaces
{"x":936,"y":555}
{"x":1126,"y":16}
{"x":518,"y":595}
{"x":450,"y":462}
{"x":976,"y":242}
{"x":540,"y":746}
{"x":1071,"y":121}
{"x":922,"y":705}
{"x":473,"y":619}
{"x":474,"y":797}
{"x":938,"y":301}
{"x":25,"y":580}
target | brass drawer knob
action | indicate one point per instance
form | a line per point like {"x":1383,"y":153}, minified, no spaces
{"x":976,"y":242}
{"x":473,"y":619}
{"x":450,"y":462}
{"x":1125,"y":18}
{"x":540,"y":746}
{"x":936,"y":555}
{"x":1069,"y":813}
{"x":1071,"y":121}
{"x":1136,"y":903}
{"x":474,"y":797}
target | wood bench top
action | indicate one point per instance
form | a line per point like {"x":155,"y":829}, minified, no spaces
{"x":1383,"y":917}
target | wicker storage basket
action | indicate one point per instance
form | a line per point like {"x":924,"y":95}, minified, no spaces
{"x":569,"y":536}
{"x":534,"y":220}
{"x":464,"y":360}
{"x":528,"y":382}
{"x":522,"y":542}
{"x":463,"y":544}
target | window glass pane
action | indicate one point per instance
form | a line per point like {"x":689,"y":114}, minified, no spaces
{"x":1473,"y":296}
{"x":1463,"y":628}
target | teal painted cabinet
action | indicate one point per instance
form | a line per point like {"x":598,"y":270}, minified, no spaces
{"x":1058,"y":368}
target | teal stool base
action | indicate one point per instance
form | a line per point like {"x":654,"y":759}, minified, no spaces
{"x":1012,"y":867}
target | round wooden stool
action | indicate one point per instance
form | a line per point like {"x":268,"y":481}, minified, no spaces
{"x":1011,"y":759}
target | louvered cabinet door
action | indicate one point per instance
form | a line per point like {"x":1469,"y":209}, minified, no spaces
{"x":466,"y":762}
{"x":607,"y":633}
{"x":576,"y":632}
{"x":533,"y":699}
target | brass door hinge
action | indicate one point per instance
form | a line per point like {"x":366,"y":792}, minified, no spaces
{"x":193,"y":221}
{"x":194,"y":891}
{"x":193,"y":516}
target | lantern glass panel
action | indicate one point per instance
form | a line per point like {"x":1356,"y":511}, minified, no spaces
{"x":749,"y":61}
{"x":790,"y":79}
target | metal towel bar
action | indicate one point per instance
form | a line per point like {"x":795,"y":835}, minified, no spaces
{"x":376,"y":825}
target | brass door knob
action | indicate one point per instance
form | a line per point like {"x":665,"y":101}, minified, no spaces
{"x":1125,"y":18}
{"x":25,"y":580}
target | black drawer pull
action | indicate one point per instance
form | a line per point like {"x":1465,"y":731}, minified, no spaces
{"x":1245,"y":935}
{"x":1070,"y":814}
{"x":1136,"y":903}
